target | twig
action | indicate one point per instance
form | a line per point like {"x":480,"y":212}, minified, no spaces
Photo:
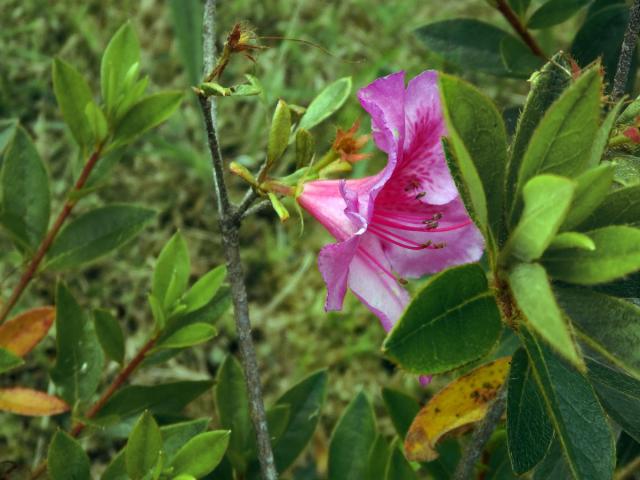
{"x":117,"y":382}
{"x":511,"y":17}
{"x":258,"y":207}
{"x":481,"y":436}
{"x":229,"y":229}
{"x":626,"y":52}
{"x":44,"y":246}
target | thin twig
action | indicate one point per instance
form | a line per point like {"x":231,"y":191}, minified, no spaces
{"x":258,"y":207}
{"x":481,"y":436}
{"x":511,"y":17}
{"x":44,"y":246}
{"x":626,"y":52}
{"x":229,"y":229}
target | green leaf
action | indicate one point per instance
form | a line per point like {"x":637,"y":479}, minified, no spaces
{"x":351,"y":441}
{"x":479,"y":125}
{"x":97,"y":122}
{"x":520,"y":7}
{"x":572,"y":240}
{"x":187,"y":24}
{"x":8,"y":129}
{"x":73,"y":95}
{"x":518,"y":59}
{"x":305,"y":400}
{"x":529,"y":431}
{"x":533,"y":294}
{"x":174,"y":436}
{"x":305,"y":148}
{"x":9,"y":361}
{"x":629,"y":114}
{"x":578,"y":420}
{"x":554,"y":12}
{"x":328,"y":102}
{"x":553,"y":466}
{"x":117,"y":469}
{"x":454,"y":308}
{"x":171,"y":274}
{"x":546,"y":202}
{"x":188,"y":336}
{"x":546,"y":86}
{"x":468,"y":43}
{"x":165,"y":399}
{"x":619,"y":395}
{"x":143,"y":448}
{"x":562,"y":141}
{"x":233,"y":410}
{"x":610,"y":326}
{"x":109,"y":335}
{"x":279,"y":133}
{"x":277,"y":420}
{"x":401,"y":408}
{"x":398,"y":468}
{"x":203,"y":291}
{"x":201,"y":454}
{"x":25,"y":204}
{"x":601,"y":142}
{"x":591,"y":190}
{"x":378,"y":457}
{"x":66,"y":460}
{"x":146,"y":114}
{"x":122,"y":53}
{"x":622,"y":206}
{"x":617,"y":254}
{"x":627,"y":170}
{"x":159,"y":317}
{"x":79,"y":359}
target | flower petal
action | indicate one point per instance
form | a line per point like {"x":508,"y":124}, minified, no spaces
{"x":333,"y":262}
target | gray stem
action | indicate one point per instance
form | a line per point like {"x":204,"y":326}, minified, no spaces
{"x":626,"y":52}
{"x":229,"y":229}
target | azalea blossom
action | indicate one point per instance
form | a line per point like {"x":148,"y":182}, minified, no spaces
{"x":407,"y":220}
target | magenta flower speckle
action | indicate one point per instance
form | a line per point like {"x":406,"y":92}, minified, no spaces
{"x":406,"y":221}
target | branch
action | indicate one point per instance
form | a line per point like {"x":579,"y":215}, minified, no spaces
{"x":229,"y":229}
{"x":44,"y":246}
{"x":481,"y":436}
{"x":511,"y":17}
{"x":626,"y":52}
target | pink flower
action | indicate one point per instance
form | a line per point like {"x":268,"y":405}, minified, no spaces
{"x":406,"y":221}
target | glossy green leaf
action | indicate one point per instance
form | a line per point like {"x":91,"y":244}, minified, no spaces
{"x":572,"y":240}
{"x":66,"y":460}
{"x":627,"y":170}
{"x":627,"y":287}
{"x":146,"y":114}
{"x":591,"y":189}
{"x":97,"y":122}
{"x":122,"y":53}
{"x":171,"y":274}
{"x":164,"y":399}
{"x":467,"y":109}
{"x":578,"y":420}
{"x":159,"y":316}
{"x":201,"y":454}
{"x":562,"y":141}
{"x":186,"y":16}
{"x":351,"y":441}
{"x":630,"y":113}
{"x":305,"y":148}
{"x":279,"y":133}
{"x":619,"y":395}
{"x":622,"y":206}
{"x":466,"y":42}
{"x":109,"y":334}
{"x":193,"y":334}
{"x":96,"y":233}
{"x":73,"y":95}
{"x":553,"y":466}
{"x":601,"y":142}
{"x":25,"y":204}
{"x":455,"y":307}
{"x":79,"y":359}
{"x":533,"y":294}
{"x":9,"y":361}
{"x":547,"y":199}
{"x":328,"y":101}
{"x":398,"y":468}
{"x":546,"y":86}
{"x":610,"y":326}
{"x":554,"y":12}
{"x":203,"y":291}
{"x":143,"y":448}
{"x":529,"y":430}
{"x":378,"y":457}
{"x":8,"y":129}
{"x":117,"y":469}
{"x":174,"y":436}
{"x":617,"y":254}
{"x":402,"y":409}
{"x":518,"y":59}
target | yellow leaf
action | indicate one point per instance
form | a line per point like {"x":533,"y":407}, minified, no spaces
{"x":25,"y":401}
{"x":461,"y":403}
{"x":22,"y":333}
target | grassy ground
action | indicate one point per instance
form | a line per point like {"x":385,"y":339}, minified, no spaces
{"x":168,"y":170}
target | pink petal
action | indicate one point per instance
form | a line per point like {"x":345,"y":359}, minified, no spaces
{"x":333,"y":262}
{"x":323,"y":199}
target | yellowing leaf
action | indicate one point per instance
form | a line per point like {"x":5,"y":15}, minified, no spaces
{"x":25,"y":401}
{"x":22,"y":333}
{"x":463,"y":402}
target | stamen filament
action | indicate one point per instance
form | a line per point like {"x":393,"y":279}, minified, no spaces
{"x":373,"y":260}
{"x":388,"y":236}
